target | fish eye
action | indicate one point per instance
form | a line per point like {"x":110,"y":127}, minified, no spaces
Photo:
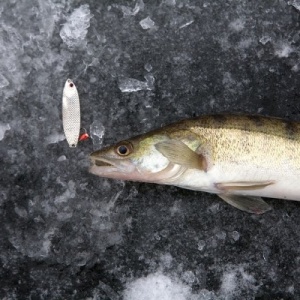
{"x":71,"y":85}
{"x":124,"y":149}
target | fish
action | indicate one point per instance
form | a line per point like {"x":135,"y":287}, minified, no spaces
{"x":71,"y":113}
{"x":240,"y":158}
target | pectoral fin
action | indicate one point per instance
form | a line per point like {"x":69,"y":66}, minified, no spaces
{"x":247,"y":203}
{"x":243,"y":185}
{"x":179,"y":153}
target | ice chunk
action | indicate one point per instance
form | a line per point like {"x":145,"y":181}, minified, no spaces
{"x":148,"y":67}
{"x":3,"y":129}
{"x":74,"y":31}
{"x":62,"y":158}
{"x":201,"y":245}
{"x":97,"y":131}
{"x":127,"y":11}
{"x":157,"y":286}
{"x":189,"y":277}
{"x":147,"y":23}
{"x":191,"y":21}
{"x":55,"y":138}
{"x":183,"y":20}
{"x":3,"y":81}
{"x":295,"y":3}
{"x":235,"y":235}
{"x":170,"y":2}
{"x":21,"y":211}
{"x":221,"y":235}
{"x":265,"y":39}
{"x":128,"y":85}
{"x":235,"y":280}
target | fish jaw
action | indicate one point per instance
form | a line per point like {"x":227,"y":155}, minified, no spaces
{"x":111,"y":168}
{"x":132,"y":170}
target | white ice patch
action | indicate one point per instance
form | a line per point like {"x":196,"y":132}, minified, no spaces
{"x":283,"y":50}
{"x":97,"y":131}
{"x":74,"y":31}
{"x":187,"y":23}
{"x":265,"y":39}
{"x":295,"y":3}
{"x":169,"y":2}
{"x":55,"y":138}
{"x":62,"y":158}
{"x":236,"y":279}
{"x":237,"y":25}
{"x":157,"y":286}
{"x":129,"y":85}
{"x":3,"y":129}
{"x":147,"y":23}
{"x":3,"y":81}
{"x":148,"y":67}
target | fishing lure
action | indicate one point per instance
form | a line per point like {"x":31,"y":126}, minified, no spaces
{"x":71,"y":113}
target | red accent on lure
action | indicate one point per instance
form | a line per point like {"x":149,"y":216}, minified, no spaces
{"x":83,"y":137}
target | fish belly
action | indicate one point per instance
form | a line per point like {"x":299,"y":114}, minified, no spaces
{"x":286,"y":185}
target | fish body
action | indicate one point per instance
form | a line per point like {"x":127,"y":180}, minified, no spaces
{"x":240,"y":158}
{"x":71,"y":113}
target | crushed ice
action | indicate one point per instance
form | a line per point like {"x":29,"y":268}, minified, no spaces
{"x":128,"y":85}
{"x":3,"y":129}
{"x":147,"y":23}
{"x":74,"y":31}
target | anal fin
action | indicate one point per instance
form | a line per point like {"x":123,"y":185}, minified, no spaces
{"x":249,"y":204}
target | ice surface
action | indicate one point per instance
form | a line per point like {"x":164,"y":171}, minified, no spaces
{"x":69,"y":193}
{"x":147,"y":23}
{"x":97,"y":131}
{"x":3,"y":129}
{"x":74,"y":31}
{"x":129,"y":85}
{"x":65,"y":233}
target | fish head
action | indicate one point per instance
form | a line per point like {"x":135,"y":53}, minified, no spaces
{"x":136,"y":159}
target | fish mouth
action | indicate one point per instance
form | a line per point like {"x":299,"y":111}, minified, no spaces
{"x":102,"y":164}
{"x":109,"y":167}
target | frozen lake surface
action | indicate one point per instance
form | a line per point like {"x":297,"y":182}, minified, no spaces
{"x":66,"y":234}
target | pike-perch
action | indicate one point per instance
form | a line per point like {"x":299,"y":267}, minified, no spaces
{"x":239,"y":158}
